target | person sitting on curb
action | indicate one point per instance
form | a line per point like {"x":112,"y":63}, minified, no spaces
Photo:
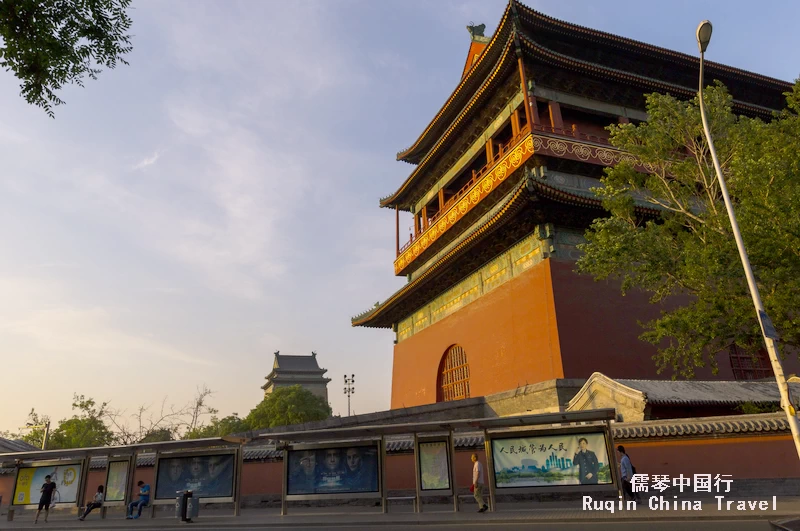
{"x":96,"y":502}
{"x":144,"y":499}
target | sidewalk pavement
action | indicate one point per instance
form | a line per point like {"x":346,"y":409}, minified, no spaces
{"x":438,"y":514}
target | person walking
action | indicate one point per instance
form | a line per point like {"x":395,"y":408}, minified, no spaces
{"x":95,"y":503}
{"x":144,"y":498}
{"x":46,"y":499}
{"x":477,"y":483}
{"x":626,"y":472}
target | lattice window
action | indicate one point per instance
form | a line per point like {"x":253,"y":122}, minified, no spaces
{"x":454,"y":375}
{"x":747,"y":367}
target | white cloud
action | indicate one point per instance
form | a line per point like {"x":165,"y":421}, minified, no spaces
{"x":147,"y":161}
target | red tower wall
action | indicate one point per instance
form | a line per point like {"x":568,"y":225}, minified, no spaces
{"x":599,"y":332}
{"x":509,"y":335}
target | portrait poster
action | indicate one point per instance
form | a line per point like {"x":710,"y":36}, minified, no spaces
{"x":433,"y":466}
{"x":551,"y":460}
{"x":116,"y":481}
{"x":207,"y":476}
{"x":333,"y":470}
{"x":27,"y":490}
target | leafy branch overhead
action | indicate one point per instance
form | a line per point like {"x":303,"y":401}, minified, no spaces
{"x":47,"y":44}
{"x":686,"y":255}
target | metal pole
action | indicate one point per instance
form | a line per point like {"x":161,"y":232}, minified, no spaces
{"x":237,"y":507}
{"x":46,"y":435}
{"x":384,"y":493}
{"x":417,"y":478}
{"x":613,"y":469}
{"x":349,"y":389}
{"x":487,"y":444}
{"x":451,"y":442}
{"x":767,"y":330}
{"x":285,"y":487}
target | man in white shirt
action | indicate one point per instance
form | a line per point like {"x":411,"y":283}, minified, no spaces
{"x":477,"y":483}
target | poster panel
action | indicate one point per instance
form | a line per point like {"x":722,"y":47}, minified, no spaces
{"x":551,"y":460}
{"x":434,"y":465}
{"x":27,"y":490}
{"x":333,"y":470}
{"x":207,"y":476}
{"x":116,"y":481}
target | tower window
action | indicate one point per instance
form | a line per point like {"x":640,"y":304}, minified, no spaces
{"x":453,"y":375}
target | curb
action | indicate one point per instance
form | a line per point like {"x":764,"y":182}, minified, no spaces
{"x":159,"y":524}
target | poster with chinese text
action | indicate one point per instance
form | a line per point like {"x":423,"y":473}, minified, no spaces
{"x":551,"y":460}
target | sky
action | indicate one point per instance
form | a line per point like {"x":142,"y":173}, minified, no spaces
{"x":184,"y":217}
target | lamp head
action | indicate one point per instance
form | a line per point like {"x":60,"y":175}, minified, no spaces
{"x":703,"y":35}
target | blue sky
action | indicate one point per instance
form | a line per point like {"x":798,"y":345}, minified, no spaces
{"x":185,"y":216}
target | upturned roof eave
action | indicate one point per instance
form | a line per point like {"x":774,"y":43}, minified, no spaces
{"x":408,"y":154}
{"x":365,"y":318}
{"x":607,"y":38}
{"x":532,"y":185}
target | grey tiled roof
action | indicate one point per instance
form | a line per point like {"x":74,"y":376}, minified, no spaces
{"x":666,"y":392}
{"x":13,"y":445}
{"x":297,"y":363}
{"x":771,"y":423}
{"x":649,"y":429}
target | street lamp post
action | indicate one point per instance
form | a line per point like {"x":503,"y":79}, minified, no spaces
{"x":46,"y":427}
{"x":767,"y":329}
{"x":349,"y":389}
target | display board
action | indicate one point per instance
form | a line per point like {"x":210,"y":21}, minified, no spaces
{"x":66,"y":476}
{"x":434,"y":466}
{"x":207,"y":476}
{"x":116,"y":480}
{"x":555,"y":460}
{"x":333,"y":470}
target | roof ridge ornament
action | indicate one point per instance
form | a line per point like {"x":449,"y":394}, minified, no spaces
{"x":476,"y":32}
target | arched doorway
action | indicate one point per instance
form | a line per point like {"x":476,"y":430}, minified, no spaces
{"x":453,"y":381}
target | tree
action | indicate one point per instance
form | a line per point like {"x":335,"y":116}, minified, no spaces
{"x":165,"y":424}
{"x":50,"y":43}
{"x":34,"y":436}
{"x":688,"y":248}
{"x":219,"y":428}
{"x":288,"y":405}
{"x":85,"y":430}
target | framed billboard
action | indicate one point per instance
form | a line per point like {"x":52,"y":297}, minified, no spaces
{"x":30,"y":478}
{"x":116,"y":480}
{"x":209,"y":475}
{"x":434,"y":466}
{"x":332,"y":470}
{"x":562,"y":460}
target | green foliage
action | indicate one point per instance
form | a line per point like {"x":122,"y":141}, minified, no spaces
{"x":751,"y":408}
{"x":689,"y":249}
{"x":50,"y":43}
{"x":84,"y":430}
{"x":159,"y":435}
{"x":288,"y":405}
{"x":218,"y":428}
{"x":34,"y":436}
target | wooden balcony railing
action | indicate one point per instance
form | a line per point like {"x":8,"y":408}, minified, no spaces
{"x":477,"y":175}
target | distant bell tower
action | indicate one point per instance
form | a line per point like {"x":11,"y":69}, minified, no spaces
{"x":297,"y":370}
